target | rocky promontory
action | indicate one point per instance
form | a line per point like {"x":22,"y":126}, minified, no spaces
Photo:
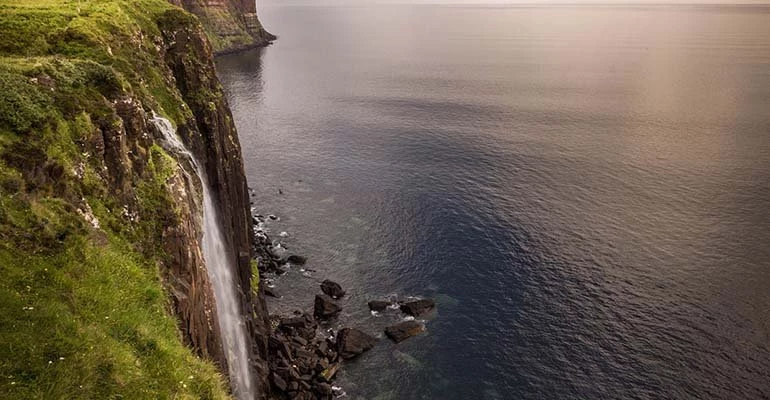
{"x":231,"y":25}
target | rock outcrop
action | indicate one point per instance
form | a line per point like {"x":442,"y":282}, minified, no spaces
{"x":232,"y":25}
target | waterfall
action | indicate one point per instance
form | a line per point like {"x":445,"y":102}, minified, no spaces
{"x":220,"y":270}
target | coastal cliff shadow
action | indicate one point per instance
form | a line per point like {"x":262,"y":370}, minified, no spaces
{"x":241,"y":71}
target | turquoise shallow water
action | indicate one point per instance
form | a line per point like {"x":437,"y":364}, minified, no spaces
{"x":584,"y":190}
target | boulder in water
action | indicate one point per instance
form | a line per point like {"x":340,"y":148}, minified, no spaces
{"x":379,"y":305}
{"x":325,"y":307}
{"x":332,"y":289}
{"x":418,"y":307}
{"x":352,"y":342}
{"x":404,"y":330}
{"x":296,"y":260}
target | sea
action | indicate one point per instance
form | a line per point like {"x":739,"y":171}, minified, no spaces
{"x":584,"y":190}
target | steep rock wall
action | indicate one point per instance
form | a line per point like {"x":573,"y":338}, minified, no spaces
{"x":231,"y":25}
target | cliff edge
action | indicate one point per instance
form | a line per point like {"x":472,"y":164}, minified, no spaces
{"x":104,"y":291}
{"x":231,"y":25}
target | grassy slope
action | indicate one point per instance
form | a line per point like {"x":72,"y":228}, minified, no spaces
{"x":83,"y":313}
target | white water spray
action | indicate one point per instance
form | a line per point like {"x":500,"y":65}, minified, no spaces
{"x":220,"y":270}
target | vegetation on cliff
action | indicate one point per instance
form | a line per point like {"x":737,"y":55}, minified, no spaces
{"x":84,"y":203}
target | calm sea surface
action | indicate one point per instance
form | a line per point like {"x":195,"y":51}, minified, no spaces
{"x":584,"y":190}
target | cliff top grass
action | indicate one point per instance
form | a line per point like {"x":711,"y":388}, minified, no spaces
{"x":83,"y":311}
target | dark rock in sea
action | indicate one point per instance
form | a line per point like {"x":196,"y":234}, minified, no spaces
{"x":418,"y":308}
{"x":404,"y":330}
{"x":271,"y":292}
{"x":352,"y":342}
{"x":332,"y":289}
{"x":379,"y":305}
{"x":296,"y":260}
{"x":325,"y":307}
{"x":272,"y":217}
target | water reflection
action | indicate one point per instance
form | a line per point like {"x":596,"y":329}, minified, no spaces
{"x":583,"y":190}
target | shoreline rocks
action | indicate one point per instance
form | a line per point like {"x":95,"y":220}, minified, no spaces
{"x":303,"y":361}
{"x":324,"y":307}
{"x":352,"y":342}
{"x":379,"y":305}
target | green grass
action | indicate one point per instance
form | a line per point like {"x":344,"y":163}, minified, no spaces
{"x":91,"y":322}
{"x":83,"y":309}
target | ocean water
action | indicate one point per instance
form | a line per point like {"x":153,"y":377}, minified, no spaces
{"x":585,"y":191}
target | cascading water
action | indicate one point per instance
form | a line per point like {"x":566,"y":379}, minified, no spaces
{"x":220,"y":270}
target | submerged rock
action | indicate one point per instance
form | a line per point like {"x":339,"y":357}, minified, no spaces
{"x":271,"y":292}
{"x":404,"y":330}
{"x":352,"y":342}
{"x":325,"y":307}
{"x":296,"y":260}
{"x":418,"y":308}
{"x":379,"y":305}
{"x":332,"y":289}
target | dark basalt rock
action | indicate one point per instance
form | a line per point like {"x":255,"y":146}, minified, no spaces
{"x":404,"y":330}
{"x":379,"y":305}
{"x":353,"y":342}
{"x":296,"y":260}
{"x":332,"y":289}
{"x":419,"y":307}
{"x":279,"y":383}
{"x":324,"y":307}
{"x":323,"y":389}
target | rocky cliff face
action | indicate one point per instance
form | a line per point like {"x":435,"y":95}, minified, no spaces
{"x":212,"y":137}
{"x":100,"y":227}
{"x":232,"y":25}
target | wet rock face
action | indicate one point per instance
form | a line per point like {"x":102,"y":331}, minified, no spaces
{"x":210,"y":134}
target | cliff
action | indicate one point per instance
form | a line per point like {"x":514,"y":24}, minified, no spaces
{"x":104,"y":291}
{"x":231,"y":25}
